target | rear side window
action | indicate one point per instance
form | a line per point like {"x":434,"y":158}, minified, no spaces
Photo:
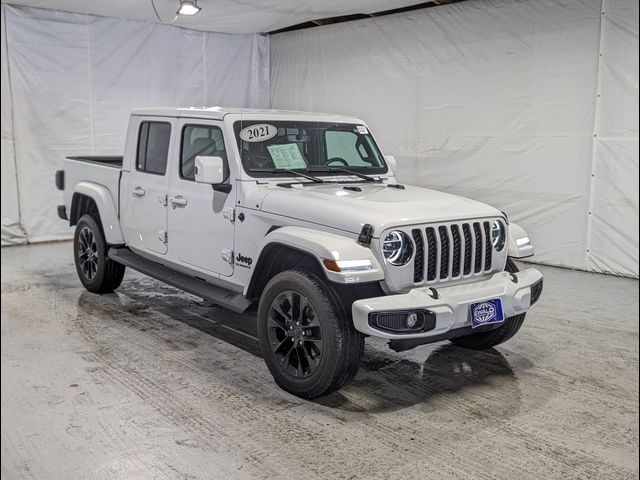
{"x":153,"y":147}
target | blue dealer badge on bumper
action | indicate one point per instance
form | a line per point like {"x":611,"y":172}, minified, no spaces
{"x":487,"y":312}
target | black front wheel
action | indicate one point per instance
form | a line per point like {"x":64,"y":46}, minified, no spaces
{"x":97,"y":272}
{"x":307,"y":338}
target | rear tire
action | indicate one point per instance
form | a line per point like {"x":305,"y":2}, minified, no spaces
{"x":307,"y":338}
{"x":487,"y":340}
{"x":97,"y":272}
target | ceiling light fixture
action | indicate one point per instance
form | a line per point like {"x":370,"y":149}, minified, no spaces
{"x":188,"y":7}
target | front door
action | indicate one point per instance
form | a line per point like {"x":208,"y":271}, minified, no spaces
{"x":144,"y":189}
{"x":200,"y":220}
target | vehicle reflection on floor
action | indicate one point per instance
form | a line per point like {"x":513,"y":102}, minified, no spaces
{"x":432,"y":376}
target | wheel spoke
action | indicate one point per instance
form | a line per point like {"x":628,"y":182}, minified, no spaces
{"x":276,"y":323}
{"x":286,"y":360}
{"x":294,"y":299}
{"x":278,"y":309}
{"x":312,"y":318}
{"x":299,"y":369}
{"x":302,"y":305}
{"x":310,"y":361}
{"x":277,"y":344}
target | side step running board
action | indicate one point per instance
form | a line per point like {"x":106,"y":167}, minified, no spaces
{"x":218,"y":295}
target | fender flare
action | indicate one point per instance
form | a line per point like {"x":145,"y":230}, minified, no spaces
{"x":322,"y":246}
{"x":519,"y":244}
{"x":106,"y":207}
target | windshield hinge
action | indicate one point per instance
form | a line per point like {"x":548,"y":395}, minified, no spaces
{"x":227,"y":255}
{"x":229,"y":214}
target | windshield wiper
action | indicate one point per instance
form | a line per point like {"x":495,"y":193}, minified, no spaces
{"x":344,"y":170}
{"x":287,"y":170}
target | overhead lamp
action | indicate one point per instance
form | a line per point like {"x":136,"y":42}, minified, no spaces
{"x":188,"y":7}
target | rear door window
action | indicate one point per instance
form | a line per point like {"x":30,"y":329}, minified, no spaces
{"x":153,"y":147}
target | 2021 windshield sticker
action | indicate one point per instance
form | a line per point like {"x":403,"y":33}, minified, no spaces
{"x":258,"y":133}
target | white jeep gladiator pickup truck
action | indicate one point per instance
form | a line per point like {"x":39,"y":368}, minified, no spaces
{"x":299,"y":213}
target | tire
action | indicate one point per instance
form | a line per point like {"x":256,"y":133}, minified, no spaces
{"x":97,"y":272}
{"x":487,"y":340}
{"x":331,"y":349}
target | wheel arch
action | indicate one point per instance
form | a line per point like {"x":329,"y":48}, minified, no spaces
{"x":274,"y":258}
{"x":298,"y":247}
{"x":94,"y":199}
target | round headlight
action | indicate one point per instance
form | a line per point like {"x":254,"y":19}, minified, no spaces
{"x":397,"y":248}
{"x":498,"y":235}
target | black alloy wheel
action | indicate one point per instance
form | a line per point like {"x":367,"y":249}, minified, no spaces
{"x":295,"y":334}
{"x":87,"y":253}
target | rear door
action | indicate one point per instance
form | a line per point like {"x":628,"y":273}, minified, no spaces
{"x":144,"y":188}
{"x":200,"y":219}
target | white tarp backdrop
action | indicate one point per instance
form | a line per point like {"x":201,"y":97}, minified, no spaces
{"x":69,"y":82}
{"x":529,"y":106}
{"x":12,"y":233}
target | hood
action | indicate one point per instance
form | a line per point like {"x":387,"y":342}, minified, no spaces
{"x":342,"y":208}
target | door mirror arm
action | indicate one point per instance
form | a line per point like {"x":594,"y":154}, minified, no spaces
{"x":221,"y":187}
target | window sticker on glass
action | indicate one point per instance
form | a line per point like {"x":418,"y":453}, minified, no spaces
{"x":362,"y":129}
{"x":258,"y":133}
{"x":286,"y":156}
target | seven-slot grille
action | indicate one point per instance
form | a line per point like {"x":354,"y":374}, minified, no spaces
{"x":445,"y":252}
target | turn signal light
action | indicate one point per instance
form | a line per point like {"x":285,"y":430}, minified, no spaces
{"x":347,"y":266}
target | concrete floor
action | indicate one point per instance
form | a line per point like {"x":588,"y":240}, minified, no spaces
{"x":152,"y":383}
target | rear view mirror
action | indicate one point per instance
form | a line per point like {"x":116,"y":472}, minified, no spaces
{"x":391,"y":162}
{"x":209,"y":170}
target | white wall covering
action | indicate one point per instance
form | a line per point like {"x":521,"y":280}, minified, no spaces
{"x":613,"y":238}
{"x":12,"y":233}
{"x":74,"y":78}
{"x":496,"y":101}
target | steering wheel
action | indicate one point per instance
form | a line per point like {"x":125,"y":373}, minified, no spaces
{"x":337,"y":159}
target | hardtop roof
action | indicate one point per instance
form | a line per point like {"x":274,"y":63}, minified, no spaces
{"x":218,"y":113}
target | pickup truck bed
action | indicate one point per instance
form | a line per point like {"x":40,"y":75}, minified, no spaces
{"x":102,"y":170}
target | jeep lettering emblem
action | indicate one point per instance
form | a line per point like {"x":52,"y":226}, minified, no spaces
{"x":485,"y":312}
{"x":243,"y":261}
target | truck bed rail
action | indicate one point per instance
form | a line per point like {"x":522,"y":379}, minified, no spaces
{"x":104,"y":160}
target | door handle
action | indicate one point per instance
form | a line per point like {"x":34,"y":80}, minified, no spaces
{"x":138,"y":192}
{"x":178,"y":201}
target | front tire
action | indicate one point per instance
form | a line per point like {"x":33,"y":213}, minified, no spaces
{"x":97,"y":272}
{"x":487,"y":340}
{"x":307,"y":338}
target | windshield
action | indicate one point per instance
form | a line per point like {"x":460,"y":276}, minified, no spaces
{"x":278,"y":146}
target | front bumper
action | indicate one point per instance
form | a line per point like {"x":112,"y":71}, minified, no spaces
{"x":451,"y":305}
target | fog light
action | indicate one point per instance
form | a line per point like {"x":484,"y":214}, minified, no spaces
{"x":403,"y":321}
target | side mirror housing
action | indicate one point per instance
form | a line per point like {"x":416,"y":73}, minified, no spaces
{"x":391,"y":161}
{"x":209,"y":170}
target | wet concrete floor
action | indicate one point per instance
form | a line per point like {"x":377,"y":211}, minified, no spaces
{"x":152,"y":383}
